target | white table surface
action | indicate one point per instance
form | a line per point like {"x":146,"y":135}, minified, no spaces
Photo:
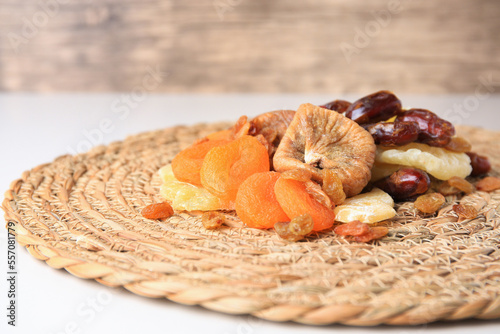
{"x":35,"y":129}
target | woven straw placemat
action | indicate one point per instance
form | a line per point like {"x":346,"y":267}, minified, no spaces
{"x":82,"y":213}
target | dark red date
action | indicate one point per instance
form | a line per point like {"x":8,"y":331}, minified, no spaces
{"x":480,"y":164}
{"x":394,"y":134}
{"x":434,"y":131}
{"x":339,"y":106}
{"x":373,"y":108}
{"x":405,"y":183}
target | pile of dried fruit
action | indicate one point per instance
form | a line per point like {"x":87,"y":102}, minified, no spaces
{"x":302,"y":171}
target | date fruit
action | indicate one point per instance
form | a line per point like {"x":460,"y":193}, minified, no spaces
{"x":434,"y":131}
{"x":394,"y":134}
{"x":405,"y":183}
{"x":373,"y":108}
{"x":339,"y":106}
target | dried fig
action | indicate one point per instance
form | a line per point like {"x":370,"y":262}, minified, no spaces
{"x":319,"y":139}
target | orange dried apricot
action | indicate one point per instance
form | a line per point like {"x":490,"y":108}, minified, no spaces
{"x":226,"y":167}
{"x":256,"y":203}
{"x":187,"y":163}
{"x":157,"y":211}
{"x":296,"y":200}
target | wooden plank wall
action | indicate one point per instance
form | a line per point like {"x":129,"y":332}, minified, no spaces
{"x":275,"y":46}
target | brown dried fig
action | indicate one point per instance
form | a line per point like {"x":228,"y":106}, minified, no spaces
{"x":319,"y":139}
{"x":272,"y":125}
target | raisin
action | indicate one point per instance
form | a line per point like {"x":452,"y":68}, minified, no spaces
{"x":375,"y":233}
{"x":459,"y":144}
{"x":373,"y":108}
{"x":361,"y":232}
{"x":332,"y":186}
{"x":461,"y":184}
{"x":488,"y":184}
{"x":405,"y":183}
{"x":339,"y":106}
{"x":394,"y":134}
{"x":480,"y":164}
{"x":446,"y":189}
{"x":465,"y":211}
{"x":295,"y":229}
{"x":212,"y":220}
{"x":354,"y":228}
{"x":434,"y":131}
{"x":429,"y":203}
{"x":157,"y":211}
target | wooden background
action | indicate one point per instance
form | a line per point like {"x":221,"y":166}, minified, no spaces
{"x":222,"y":46}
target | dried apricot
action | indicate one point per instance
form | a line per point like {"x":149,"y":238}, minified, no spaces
{"x":295,"y":200}
{"x":488,"y":184}
{"x":226,"y":167}
{"x":212,"y":220}
{"x":319,"y":139}
{"x":465,"y":211}
{"x":256,"y":203}
{"x":295,"y":229}
{"x":187,"y":163}
{"x":429,"y":203}
{"x":157,"y":211}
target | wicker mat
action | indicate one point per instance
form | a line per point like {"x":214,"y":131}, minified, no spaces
{"x":82,"y":213}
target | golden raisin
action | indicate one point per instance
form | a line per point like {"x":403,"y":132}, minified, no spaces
{"x":465,"y":211}
{"x":295,"y":229}
{"x":157,"y":211}
{"x":332,"y":186}
{"x":354,"y":228}
{"x":445,"y":189}
{"x":361,"y":232}
{"x":462,"y":184}
{"x":376,"y":232}
{"x":488,"y":184}
{"x":459,"y":144}
{"x":212,"y":220}
{"x":429,"y":203}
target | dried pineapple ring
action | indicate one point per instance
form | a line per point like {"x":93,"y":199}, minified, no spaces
{"x":440,"y":163}
{"x":368,"y":208}
{"x":319,"y":139}
{"x":187,"y":197}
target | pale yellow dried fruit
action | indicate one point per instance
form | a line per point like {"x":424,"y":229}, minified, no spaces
{"x":440,"y":163}
{"x":187,"y":197}
{"x":381,"y":170}
{"x":319,"y":139}
{"x":368,"y":208}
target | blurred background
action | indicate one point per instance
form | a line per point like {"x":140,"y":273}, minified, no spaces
{"x":250,"y":46}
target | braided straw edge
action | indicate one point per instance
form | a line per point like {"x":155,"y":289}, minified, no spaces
{"x":226,"y":302}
